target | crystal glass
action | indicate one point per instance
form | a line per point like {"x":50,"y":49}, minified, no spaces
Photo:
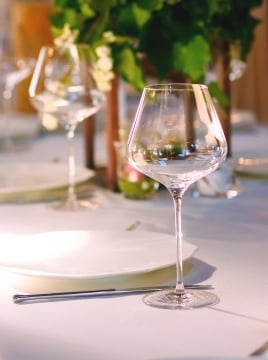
{"x":62,"y":86}
{"x":132,"y":183}
{"x":176,"y":138}
{"x":13,"y":70}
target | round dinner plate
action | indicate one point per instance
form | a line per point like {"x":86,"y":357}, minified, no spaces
{"x":88,"y":254}
{"x":19,"y":126}
{"x":21,"y":178}
{"x":257,"y":167}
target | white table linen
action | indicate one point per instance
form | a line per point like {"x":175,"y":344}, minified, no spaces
{"x":232,"y":240}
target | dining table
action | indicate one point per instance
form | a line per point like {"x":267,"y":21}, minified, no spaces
{"x":229,"y":238}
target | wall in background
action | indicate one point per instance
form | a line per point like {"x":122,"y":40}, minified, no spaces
{"x":251,"y":91}
{"x":29,"y":26}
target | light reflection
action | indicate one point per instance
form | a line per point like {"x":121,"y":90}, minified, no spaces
{"x":28,"y":249}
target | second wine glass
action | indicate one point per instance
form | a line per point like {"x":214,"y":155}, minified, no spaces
{"x":13,"y":70}
{"x":176,"y":139}
{"x":62,"y":86}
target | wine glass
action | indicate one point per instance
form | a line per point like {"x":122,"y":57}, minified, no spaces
{"x":62,"y":86}
{"x":176,"y":138}
{"x":13,"y":70}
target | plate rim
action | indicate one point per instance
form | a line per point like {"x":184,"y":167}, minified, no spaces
{"x":82,"y":174}
{"x":82,"y":276}
{"x":248,"y":170}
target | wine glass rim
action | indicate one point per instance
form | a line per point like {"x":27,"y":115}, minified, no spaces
{"x":174,"y":86}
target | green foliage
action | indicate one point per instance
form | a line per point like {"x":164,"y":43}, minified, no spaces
{"x":128,"y":67}
{"x":174,"y":35}
{"x":215,"y":92}
{"x":184,"y":57}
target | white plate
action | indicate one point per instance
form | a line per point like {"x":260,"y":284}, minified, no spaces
{"x":252,"y":167}
{"x":88,"y":254}
{"x":19,"y":126}
{"x":243,"y":120}
{"x":31,"y":177}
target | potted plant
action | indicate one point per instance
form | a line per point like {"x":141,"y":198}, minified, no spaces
{"x":166,"y":38}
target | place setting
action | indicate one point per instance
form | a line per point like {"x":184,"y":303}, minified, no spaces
{"x":177,"y":152}
{"x":63,"y":87}
{"x":133,"y":204}
{"x":47,"y":262}
{"x":111,"y":263}
{"x":35,"y":182}
{"x":62,"y":185}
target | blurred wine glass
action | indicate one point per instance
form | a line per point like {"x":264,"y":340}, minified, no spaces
{"x":13,"y":70}
{"x":62,"y":86}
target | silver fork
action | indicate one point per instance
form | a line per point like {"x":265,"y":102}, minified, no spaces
{"x":261,"y":350}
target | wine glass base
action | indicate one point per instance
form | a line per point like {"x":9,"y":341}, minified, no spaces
{"x":190,"y":299}
{"x":77,"y":205}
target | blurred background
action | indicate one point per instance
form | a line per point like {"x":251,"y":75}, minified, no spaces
{"x":26,"y":24}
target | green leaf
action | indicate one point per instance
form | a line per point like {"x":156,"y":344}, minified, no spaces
{"x":59,"y":19}
{"x":129,"y":68}
{"x":151,"y":4}
{"x":172,"y":34}
{"x":87,"y":11}
{"x":215,"y":91}
{"x":126,"y":22}
{"x":156,"y":40}
{"x":141,"y":15}
{"x":98,"y":26}
{"x":191,"y":58}
{"x":66,"y":4}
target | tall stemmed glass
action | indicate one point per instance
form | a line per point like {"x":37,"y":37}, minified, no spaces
{"x":176,"y":138}
{"x":62,"y":86}
{"x":13,"y":70}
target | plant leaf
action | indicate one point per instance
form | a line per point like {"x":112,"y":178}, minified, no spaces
{"x":141,"y":15}
{"x":215,"y":91}
{"x":191,"y":58}
{"x":129,"y":68}
{"x":151,"y":5}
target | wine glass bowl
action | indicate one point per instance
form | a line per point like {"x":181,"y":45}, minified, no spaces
{"x":13,"y":70}
{"x":63,"y":87}
{"x":176,"y":138}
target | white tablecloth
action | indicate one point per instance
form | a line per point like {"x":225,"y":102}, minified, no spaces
{"x":232,"y":240}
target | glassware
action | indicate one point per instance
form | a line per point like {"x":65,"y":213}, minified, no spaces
{"x":62,"y":86}
{"x":221,"y":183}
{"x":13,"y":70}
{"x":176,"y":138}
{"x":132,"y":183}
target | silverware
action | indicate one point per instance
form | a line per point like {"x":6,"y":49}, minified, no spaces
{"x":68,"y":295}
{"x":133,"y":226}
{"x":261,"y":350}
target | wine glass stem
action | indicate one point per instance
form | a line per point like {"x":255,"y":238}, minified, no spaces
{"x":71,"y":164}
{"x":177,"y":200}
{"x":7,"y":101}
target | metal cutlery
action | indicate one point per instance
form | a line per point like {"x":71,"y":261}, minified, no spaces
{"x":133,"y":226}
{"x":261,"y":350}
{"x":68,"y":295}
